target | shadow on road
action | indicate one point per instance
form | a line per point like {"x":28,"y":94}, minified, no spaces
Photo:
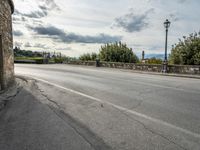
{"x":26,"y":123}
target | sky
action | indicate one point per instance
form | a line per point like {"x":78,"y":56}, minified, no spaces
{"x":75,"y":27}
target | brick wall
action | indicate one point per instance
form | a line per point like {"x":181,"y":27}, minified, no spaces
{"x":6,"y":46}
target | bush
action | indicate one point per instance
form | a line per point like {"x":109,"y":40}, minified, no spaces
{"x":88,"y":57}
{"x":39,"y":60}
{"x":155,"y":61}
{"x":187,"y":51}
{"x":58,"y":60}
{"x":117,"y":52}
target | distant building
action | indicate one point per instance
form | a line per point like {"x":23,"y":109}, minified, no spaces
{"x":144,"y":61}
{"x":6,"y":44}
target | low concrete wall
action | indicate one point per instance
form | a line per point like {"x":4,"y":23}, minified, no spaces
{"x":179,"y":69}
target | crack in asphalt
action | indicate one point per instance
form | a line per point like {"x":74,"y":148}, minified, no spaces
{"x":124,"y":111}
{"x":145,"y":127}
{"x":138,"y":105}
{"x":153,"y":132}
{"x":70,"y":124}
{"x":13,"y":96}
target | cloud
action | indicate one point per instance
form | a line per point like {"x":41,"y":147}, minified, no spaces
{"x":51,"y":5}
{"x":35,"y":14}
{"x":17,"y":33}
{"x":27,"y":44}
{"x":39,"y":45}
{"x":64,"y":48}
{"x":182,"y":1}
{"x":59,"y":35}
{"x":132,"y":22}
{"x":43,"y":10}
{"x":36,"y":45}
{"x":174,"y":17}
{"x":18,"y":44}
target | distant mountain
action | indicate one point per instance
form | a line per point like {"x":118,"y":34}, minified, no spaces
{"x":159,"y":56}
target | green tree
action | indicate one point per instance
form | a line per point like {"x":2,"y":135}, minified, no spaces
{"x":88,"y":57}
{"x":117,"y":52}
{"x":94,"y":56}
{"x":187,"y":51}
{"x":85,"y":57}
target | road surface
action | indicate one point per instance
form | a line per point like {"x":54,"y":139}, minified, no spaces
{"x":168,"y":107}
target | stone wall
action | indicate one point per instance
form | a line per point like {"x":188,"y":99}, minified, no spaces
{"x":179,"y":69}
{"x":6,"y":44}
{"x":184,"y":69}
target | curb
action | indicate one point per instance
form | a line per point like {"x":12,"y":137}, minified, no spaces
{"x":157,"y":73}
{"x":170,"y":75}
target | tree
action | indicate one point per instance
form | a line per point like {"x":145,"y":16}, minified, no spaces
{"x":117,"y":52}
{"x":24,"y":53}
{"x":94,"y":56}
{"x":187,"y":51}
{"x":88,"y":57}
{"x":85,"y":57}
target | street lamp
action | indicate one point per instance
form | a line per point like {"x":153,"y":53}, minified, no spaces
{"x":165,"y":63}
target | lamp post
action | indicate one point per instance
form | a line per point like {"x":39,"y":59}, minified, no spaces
{"x":165,"y":63}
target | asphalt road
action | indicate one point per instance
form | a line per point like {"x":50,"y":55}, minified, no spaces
{"x":169,"y":106}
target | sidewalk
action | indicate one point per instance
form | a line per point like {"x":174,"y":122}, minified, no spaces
{"x":28,"y":124}
{"x":7,"y":95}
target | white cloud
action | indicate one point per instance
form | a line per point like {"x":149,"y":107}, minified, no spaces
{"x":92,"y":17}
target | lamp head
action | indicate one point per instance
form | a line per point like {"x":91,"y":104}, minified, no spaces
{"x":167,"y":24}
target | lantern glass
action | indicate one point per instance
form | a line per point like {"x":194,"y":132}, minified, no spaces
{"x":167,"y":23}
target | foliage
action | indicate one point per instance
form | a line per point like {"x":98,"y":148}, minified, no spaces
{"x":58,"y":60}
{"x":67,"y":58}
{"x":88,"y":57}
{"x":94,"y":56}
{"x":39,"y":61}
{"x":39,"y":57}
{"x":117,"y":52}
{"x":187,"y":51}
{"x":24,"y":53}
{"x":155,"y":60}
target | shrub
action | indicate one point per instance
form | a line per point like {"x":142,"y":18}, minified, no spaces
{"x":187,"y":51}
{"x":117,"y":52}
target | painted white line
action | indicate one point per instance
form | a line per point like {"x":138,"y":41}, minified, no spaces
{"x":124,"y":109}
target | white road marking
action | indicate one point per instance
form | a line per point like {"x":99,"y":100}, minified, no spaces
{"x":196,"y":135}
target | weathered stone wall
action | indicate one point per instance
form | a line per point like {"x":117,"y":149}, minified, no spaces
{"x":6,"y":46}
{"x":184,"y":69}
{"x":179,"y":69}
